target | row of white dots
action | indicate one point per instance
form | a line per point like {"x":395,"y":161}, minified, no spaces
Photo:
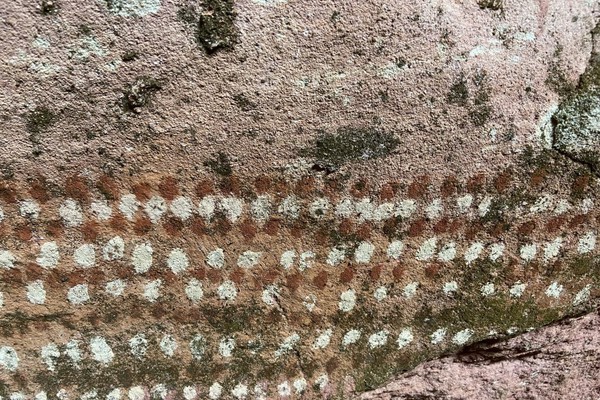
{"x":178,"y":261}
{"x":263,"y":207}
{"x":101,"y":351}
{"x":36,"y":293}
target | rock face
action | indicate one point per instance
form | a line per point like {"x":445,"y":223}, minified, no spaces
{"x":557,"y":362}
{"x":271,"y":198}
{"x":576,"y":124}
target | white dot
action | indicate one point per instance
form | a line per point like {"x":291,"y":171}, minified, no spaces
{"x":395,"y":249}
{"x":232,"y":207}
{"x":7,"y":259}
{"x":528,"y":252}
{"x":155,"y":208}
{"x":248,"y":259}
{"x":587,"y":243}
{"x":36,"y":293}
{"x":141,"y":257}
{"x":78,"y":294}
{"x":29,"y":209}
{"x":152,"y":290}
{"x":71,"y":214}
{"x":216,"y":258}
{"x":427,"y":249}
{"x":227,"y":291}
{"x":129,"y":206}
{"x":215,"y":391}
{"x":49,"y":255}
{"x":181,"y":207}
{"x":9,"y":358}
{"x":193,"y":290}
{"x":240,"y":391}
{"x":85,"y":255}
{"x":136,"y":393}
{"x":287,"y":259}
{"x":462,"y":337}
{"x":115,"y":288}
{"x":100,"y":350}
{"x":284,"y":389}
{"x":101,"y":210}
{"x":178,"y":261}
{"x":114,"y":248}
{"x":404,"y":338}
{"x":168,"y":345}
{"x":364,"y":252}
{"x":554,"y":290}
{"x":347,"y":300}
{"x":189,"y":393}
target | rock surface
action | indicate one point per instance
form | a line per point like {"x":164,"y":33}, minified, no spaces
{"x":560,"y":361}
{"x":271,"y":198}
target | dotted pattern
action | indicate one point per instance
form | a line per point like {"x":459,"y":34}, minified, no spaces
{"x":309,"y":260}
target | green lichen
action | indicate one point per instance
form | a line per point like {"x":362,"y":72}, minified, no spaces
{"x":583,"y":267}
{"x":38,"y":120}
{"x":139,"y":93}
{"x":19,"y":322}
{"x":230,"y":319}
{"x":124,"y":371}
{"x":214,"y":24}
{"x":494,"y":5}
{"x":577,"y":127}
{"x":350,"y":144}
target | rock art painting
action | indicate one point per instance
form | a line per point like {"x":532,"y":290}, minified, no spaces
{"x":261,"y":199}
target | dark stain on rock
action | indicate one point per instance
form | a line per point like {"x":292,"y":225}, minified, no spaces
{"x":36,"y":122}
{"x":49,"y":7}
{"x":129,"y":56}
{"x":40,"y":119}
{"x":221,"y":164}
{"x":481,"y":111}
{"x":494,"y":5}
{"x":213,"y":24}
{"x":243,"y":102}
{"x":474,"y":95}
{"x":139,"y":93}
{"x":349,"y":144}
{"x":459,"y":91}
{"x":557,"y":79}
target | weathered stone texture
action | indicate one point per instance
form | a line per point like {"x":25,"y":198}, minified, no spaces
{"x":271,"y":198}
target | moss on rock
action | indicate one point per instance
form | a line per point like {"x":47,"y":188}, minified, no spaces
{"x":350,"y":144}
{"x":40,"y":119}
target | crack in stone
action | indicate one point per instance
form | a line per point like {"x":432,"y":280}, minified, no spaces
{"x":593,"y":58}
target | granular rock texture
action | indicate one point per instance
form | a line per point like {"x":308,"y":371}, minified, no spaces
{"x":557,"y":362}
{"x":271,"y":198}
